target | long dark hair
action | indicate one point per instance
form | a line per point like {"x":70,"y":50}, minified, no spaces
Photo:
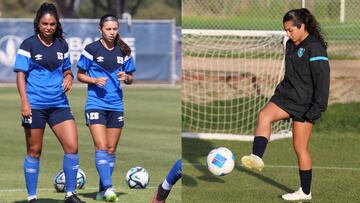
{"x":48,"y":8}
{"x":123,"y":46}
{"x":304,"y":16}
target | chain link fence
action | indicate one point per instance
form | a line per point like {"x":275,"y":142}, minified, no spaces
{"x":339,"y":19}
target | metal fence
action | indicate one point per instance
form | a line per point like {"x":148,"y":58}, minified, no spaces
{"x":339,"y":19}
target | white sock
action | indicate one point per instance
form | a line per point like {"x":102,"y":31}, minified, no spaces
{"x":68,"y":194}
{"x":32,"y":197}
{"x":166,"y":186}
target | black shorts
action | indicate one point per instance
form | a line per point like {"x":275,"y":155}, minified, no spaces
{"x":294,"y":115}
{"x":52,"y":116}
{"x":299,"y":119}
{"x":111,"y":119}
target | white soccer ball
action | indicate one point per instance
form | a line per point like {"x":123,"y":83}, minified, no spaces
{"x":137,"y":177}
{"x":59,"y":180}
{"x":220,"y":161}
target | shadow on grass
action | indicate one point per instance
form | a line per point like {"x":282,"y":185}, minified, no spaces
{"x":264,"y":179}
{"x":92,"y":195}
{"x":194,"y":150}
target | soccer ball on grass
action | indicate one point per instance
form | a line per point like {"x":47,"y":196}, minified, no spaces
{"x":220,"y":161}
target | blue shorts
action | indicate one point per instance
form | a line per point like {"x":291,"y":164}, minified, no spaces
{"x":111,"y":119}
{"x":52,"y":116}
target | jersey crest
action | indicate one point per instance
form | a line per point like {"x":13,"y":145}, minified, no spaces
{"x":300,"y":52}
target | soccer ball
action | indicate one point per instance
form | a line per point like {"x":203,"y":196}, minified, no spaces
{"x":59,"y":180}
{"x":137,"y":177}
{"x":220,"y":161}
{"x":80,"y":179}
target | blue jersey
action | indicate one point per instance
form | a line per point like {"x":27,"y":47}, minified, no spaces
{"x":97,"y":61}
{"x":43,"y":67}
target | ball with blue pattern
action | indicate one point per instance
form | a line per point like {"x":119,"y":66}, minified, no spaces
{"x":220,"y":161}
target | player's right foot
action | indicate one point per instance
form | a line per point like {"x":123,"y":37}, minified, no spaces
{"x":297,"y":196}
{"x":110,"y":195}
{"x":253,"y":161}
{"x":160,"y":195}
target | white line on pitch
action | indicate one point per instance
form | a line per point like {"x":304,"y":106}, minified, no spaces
{"x":294,"y":166}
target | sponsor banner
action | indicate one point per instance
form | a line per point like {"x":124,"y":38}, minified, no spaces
{"x":151,"y":43}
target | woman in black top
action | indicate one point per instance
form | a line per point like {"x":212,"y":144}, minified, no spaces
{"x":302,"y":95}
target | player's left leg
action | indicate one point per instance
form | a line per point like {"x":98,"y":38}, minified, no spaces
{"x":64,"y":127}
{"x":164,"y":188}
{"x":112,"y":137}
{"x":301,"y":137}
{"x":114,"y":124}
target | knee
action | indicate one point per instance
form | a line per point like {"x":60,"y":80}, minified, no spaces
{"x":111,"y":150}
{"x":263,"y":117}
{"x":73,"y":149}
{"x":300,"y":149}
{"x":34,"y":152}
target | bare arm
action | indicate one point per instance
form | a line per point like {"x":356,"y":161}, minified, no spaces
{"x":20,"y":83}
{"x":82,"y":77}
{"x":68,"y":80}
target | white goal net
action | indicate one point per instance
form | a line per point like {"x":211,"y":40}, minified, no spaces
{"x":227,"y":77}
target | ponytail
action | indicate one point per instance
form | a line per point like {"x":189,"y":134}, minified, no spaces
{"x":123,"y":46}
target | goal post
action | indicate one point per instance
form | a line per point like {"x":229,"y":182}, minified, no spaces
{"x":227,"y":77}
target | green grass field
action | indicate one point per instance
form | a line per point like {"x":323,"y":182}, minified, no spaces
{"x":151,"y":139}
{"x":336,"y":172}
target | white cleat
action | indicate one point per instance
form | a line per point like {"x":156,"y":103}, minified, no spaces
{"x":110,"y":195}
{"x":253,"y":161}
{"x":296,"y":196}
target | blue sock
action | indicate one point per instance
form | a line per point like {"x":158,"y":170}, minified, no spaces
{"x":112,"y":161}
{"x":103,"y":168}
{"x":173,"y":176}
{"x":70,"y":166}
{"x":31,"y":172}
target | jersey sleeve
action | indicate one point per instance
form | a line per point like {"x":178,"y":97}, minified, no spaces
{"x":67,"y":61}
{"x":320,"y":73}
{"x":129,"y":64}
{"x":86,"y":59}
{"x":23,"y":58}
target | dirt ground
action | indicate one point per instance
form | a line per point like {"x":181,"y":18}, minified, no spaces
{"x":344,"y":86}
{"x":345,"y":81}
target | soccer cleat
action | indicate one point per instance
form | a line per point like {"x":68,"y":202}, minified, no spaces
{"x":100,"y":196}
{"x":160,"y":195}
{"x":296,"y":196}
{"x":253,"y":161}
{"x":110,"y":195}
{"x":32,"y":200}
{"x":73,"y":199}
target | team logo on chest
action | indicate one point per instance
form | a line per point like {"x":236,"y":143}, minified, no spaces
{"x":120,"y":59}
{"x":60,"y":55}
{"x":300,"y":52}
{"x":100,"y":59}
{"x":38,"y":57}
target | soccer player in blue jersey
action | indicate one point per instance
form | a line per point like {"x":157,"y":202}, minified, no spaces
{"x":164,"y":188}
{"x":302,"y":95}
{"x":103,"y":65}
{"x":43,"y":77}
